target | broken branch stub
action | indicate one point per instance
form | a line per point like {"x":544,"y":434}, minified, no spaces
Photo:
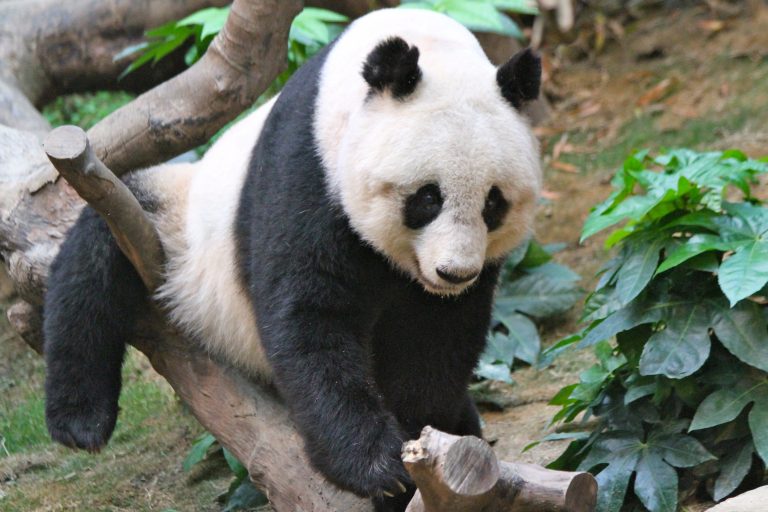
{"x":462,"y":474}
{"x":69,"y":151}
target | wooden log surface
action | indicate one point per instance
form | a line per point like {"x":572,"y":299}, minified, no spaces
{"x":462,"y":474}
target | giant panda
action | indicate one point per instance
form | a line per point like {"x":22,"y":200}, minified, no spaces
{"x":342,"y":242}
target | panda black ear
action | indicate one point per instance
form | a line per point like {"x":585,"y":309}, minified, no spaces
{"x":520,"y":78}
{"x":393,"y":65}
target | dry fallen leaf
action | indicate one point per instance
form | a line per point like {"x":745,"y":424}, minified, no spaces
{"x":564,"y":166}
{"x":656,"y":93}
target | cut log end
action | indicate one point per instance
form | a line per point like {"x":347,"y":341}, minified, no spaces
{"x":66,"y":143}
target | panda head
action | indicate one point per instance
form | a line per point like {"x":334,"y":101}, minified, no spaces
{"x":434,"y":166}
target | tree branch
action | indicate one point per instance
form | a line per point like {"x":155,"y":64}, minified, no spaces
{"x":187,"y":110}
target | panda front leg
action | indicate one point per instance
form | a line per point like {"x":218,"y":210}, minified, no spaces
{"x":317,"y":347}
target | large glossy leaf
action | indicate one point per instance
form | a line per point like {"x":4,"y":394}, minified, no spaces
{"x":621,"y":451}
{"x":745,"y":272}
{"x":681,"y":348}
{"x":725,"y":404}
{"x":636,"y":313}
{"x":733,"y":468}
{"x":743,"y":331}
{"x":493,"y":371}
{"x":694,"y":246}
{"x":525,"y":337}
{"x":499,"y":348}
{"x":680,"y":450}
{"x":656,"y":483}
{"x":638,"y":268}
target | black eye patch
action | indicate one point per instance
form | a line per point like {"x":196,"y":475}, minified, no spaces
{"x":423,"y":207}
{"x":495,"y":208}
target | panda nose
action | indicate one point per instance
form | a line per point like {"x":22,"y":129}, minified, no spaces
{"x":457,"y":278}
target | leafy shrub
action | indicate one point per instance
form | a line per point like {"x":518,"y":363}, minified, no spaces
{"x":684,"y":391}
{"x":241,"y":495}
{"x":533,"y":287}
{"x":312,"y":29}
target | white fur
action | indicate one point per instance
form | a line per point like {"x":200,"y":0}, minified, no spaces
{"x":455,"y":130}
{"x":201,"y":289}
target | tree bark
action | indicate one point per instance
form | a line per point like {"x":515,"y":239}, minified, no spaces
{"x":462,"y":474}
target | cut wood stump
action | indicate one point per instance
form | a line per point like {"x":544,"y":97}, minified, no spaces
{"x":462,"y":474}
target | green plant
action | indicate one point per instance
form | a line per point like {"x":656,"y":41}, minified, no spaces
{"x":533,"y":287}
{"x":480,"y":15}
{"x":312,"y":29}
{"x":683,"y":389}
{"x":241,"y":495}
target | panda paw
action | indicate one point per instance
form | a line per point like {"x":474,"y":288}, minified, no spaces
{"x":370,"y":468}
{"x":84,"y":429}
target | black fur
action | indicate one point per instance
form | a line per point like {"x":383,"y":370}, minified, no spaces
{"x":520,"y":77}
{"x":364,"y":357}
{"x":394,"y":65}
{"x":93,"y":300}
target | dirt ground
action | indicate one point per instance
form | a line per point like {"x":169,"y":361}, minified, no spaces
{"x":690,"y":77}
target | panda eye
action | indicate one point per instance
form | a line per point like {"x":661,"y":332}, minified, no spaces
{"x":423,"y":207}
{"x":495,"y":208}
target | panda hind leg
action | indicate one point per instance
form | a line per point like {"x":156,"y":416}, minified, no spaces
{"x":94,"y":297}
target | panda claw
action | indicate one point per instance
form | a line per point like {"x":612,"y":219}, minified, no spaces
{"x":400,"y":486}
{"x":388,"y":494}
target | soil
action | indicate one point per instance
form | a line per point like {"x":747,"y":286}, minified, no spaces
{"x":692,"y":76}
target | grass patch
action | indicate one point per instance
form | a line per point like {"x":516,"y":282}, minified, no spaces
{"x":84,"y":110}
{"x":144,"y":405}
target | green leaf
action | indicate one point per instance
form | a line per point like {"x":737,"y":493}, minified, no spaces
{"x":733,"y":468}
{"x":554,"y":271}
{"x":199,"y":450}
{"x":680,"y":450}
{"x":493,"y":371}
{"x":725,"y":405}
{"x":638,"y":392}
{"x":477,"y":16}
{"x":634,"y":207}
{"x":745,"y":272}
{"x":526,"y":337}
{"x":538,"y":296}
{"x":535,"y":255}
{"x":743,"y":331}
{"x":325,"y":15}
{"x":245,"y":497}
{"x":519,"y":6}
{"x":621,"y":451}
{"x":656,"y":484}
{"x":681,"y":348}
{"x":499,"y":349}
{"x":211,"y":20}
{"x":694,"y":246}
{"x":758,"y":425}
{"x":636,"y":313}
{"x":638,"y":268}
{"x":235,"y":465}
